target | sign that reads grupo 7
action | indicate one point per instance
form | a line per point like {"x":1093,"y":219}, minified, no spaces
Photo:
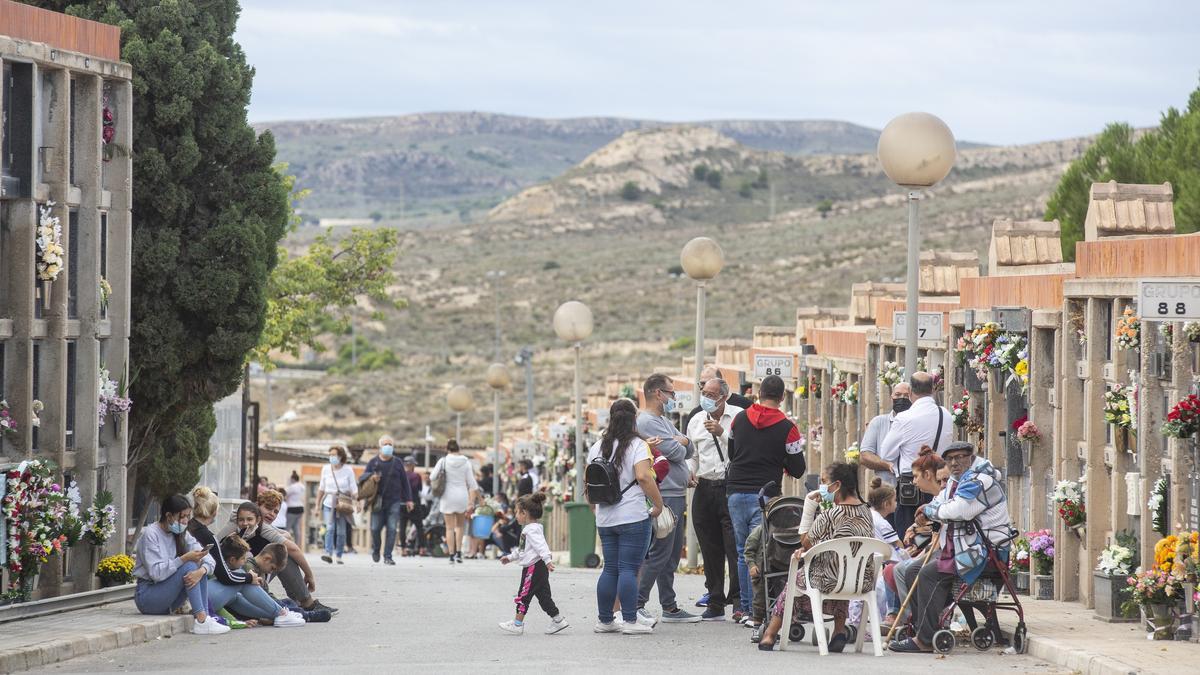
{"x":767,"y":364}
{"x":1169,"y":299}
{"x":929,"y":325}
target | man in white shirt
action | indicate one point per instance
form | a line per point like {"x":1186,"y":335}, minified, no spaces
{"x":916,"y":427}
{"x":877,"y":430}
{"x":709,"y":433}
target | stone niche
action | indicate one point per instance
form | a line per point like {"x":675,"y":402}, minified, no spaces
{"x":1129,"y":210}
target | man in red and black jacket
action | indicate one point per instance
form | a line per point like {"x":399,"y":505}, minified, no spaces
{"x":763,"y":444}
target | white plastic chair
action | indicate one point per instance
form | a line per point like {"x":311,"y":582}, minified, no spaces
{"x":854,"y":554}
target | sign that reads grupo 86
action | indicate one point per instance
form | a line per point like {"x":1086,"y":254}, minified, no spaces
{"x":1169,"y":299}
{"x":765,"y":365}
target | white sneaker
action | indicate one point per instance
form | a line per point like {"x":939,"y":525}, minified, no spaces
{"x":610,"y":627}
{"x":637,"y":628}
{"x":645,"y":618}
{"x":511,"y":627}
{"x":296,"y":614}
{"x":209,"y":627}
{"x":289,"y":620}
{"x":556,"y":626}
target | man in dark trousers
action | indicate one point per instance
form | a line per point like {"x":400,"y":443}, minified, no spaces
{"x":392,"y":493}
{"x":416,"y":515}
{"x":764,"y":443}
{"x":734,"y":399}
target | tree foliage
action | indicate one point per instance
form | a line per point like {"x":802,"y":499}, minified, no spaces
{"x":1170,"y":153}
{"x":208,"y":212}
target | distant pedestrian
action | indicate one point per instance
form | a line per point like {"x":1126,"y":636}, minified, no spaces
{"x":763,"y":444}
{"x":536,"y":561}
{"x":337,"y":485}
{"x":925,"y":423}
{"x":413,"y":517}
{"x":393,"y":497}
{"x":459,"y":497}
{"x":524,"y":478}
{"x":663,"y":558}
{"x":295,"y":507}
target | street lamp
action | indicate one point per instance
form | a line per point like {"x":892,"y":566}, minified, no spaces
{"x":497,"y":379}
{"x":459,"y":399}
{"x":702,"y":260}
{"x":917,"y":151}
{"x":573,"y":323}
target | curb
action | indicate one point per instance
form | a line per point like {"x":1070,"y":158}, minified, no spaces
{"x":1078,"y":660}
{"x":54,"y":651}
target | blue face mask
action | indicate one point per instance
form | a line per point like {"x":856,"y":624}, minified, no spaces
{"x":826,"y":495}
{"x":177,"y":528}
{"x":333,"y":459}
{"x":387,"y":451}
{"x":708,"y":405}
{"x":669,"y":406}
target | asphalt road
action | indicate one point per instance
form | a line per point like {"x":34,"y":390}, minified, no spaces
{"x":425,"y":614}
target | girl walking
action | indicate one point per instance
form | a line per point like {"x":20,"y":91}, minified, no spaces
{"x":534,"y":557}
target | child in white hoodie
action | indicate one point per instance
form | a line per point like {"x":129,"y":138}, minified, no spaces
{"x":533,"y":554}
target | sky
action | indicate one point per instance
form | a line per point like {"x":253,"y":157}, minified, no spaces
{"x":999,"y":72}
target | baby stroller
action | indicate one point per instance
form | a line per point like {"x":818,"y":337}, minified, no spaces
{"x":982,"y":595}
{"x":781,"y":518}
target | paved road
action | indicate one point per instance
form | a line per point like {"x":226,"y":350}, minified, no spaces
{"x":427,"y":614}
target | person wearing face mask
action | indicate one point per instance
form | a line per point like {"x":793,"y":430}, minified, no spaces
{"x":877,"y":430}
{"x":709,"y":433}
{"x":734,"y":399}
{"x":659,"y":569}
{"x":392,"y":491}
{"x":924,"y":424}
{"x":337,"y":479}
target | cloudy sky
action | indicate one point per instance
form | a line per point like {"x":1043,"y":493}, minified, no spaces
{"x":998,"y":72}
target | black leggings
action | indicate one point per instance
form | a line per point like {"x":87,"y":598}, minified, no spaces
{"x":535,"y":583}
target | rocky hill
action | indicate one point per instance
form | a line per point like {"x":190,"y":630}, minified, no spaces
{"x":453,"y":167}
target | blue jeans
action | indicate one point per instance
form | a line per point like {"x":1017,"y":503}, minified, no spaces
{"x":746,"y":515}
{"x":244,"y":599}
{"x":336,"y":532}
{"x":168,"y":595}
{"x":385,"y":516}
{"x":624,"y":548}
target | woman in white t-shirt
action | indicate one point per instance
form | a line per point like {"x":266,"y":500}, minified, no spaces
{"x":459,"y":497}
{"x":295,"y":507}
{"x":337,"y":478}
{"x":625,"y":526}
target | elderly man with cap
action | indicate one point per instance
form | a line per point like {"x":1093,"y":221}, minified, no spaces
{"x":973,"y":505}
{"x":414,"y":515}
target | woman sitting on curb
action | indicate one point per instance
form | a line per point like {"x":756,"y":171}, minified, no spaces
{"x":172,"y":567}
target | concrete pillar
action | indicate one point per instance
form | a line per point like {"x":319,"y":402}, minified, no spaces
{"x":1042,"y":361}
{"x":1070,"y":428}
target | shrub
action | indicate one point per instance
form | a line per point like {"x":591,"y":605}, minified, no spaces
{"x":630,"y":192}
{"x":700,"y":171}
{"x":551,"y":265}
{"x":824,"y":207}
{"x":682,"y":344}
{"x":713,"y":178}
{"x":746,"y":189}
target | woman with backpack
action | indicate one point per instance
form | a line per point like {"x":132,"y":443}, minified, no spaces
{"x":620,"y":479}
{"x":453,"y":481}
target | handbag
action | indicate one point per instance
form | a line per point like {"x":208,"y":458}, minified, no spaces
{"x":664,"y":524}
{"x":437,"y":482}
{"x":342,"y":503}
{"x":907,"y":493}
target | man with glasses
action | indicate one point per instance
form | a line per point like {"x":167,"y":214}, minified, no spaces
{"x":734,"y":399}
{"x":709,"y":432}
{"x":659,"y":568}
{"x":972,"y":505}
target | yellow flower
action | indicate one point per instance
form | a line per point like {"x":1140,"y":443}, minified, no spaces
{"x":1022,"y":368}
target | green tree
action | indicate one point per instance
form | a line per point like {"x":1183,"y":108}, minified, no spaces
{"x":1111,"y":157}
{"x":713,"y":178}
{"x":824,"y":207}
{"x":630,"y":192}
{"x":376,"y":216}
{"x":746,"y":189}
{"x":208,"y":212}
{"x":700,"y":171}
{"x":682,"y":343}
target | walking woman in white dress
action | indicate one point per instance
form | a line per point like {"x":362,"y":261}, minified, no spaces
{"x":460,"y":496}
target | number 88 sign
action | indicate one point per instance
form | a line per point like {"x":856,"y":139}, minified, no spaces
{"x":1169,"y":299}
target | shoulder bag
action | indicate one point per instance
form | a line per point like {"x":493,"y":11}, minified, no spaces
{"x":437,"y":481}
{"x":907,"y":493}
{"x":342,"y":503}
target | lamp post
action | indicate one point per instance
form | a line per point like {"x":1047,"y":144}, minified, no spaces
{"x":497,"y":379}
{"x":702,"y":260}
{"x":459,"y":399}
{"x":917,"y":151}
{"x":428,"y":442}
{"x":573,"y":323}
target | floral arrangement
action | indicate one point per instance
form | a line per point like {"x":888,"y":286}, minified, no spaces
{"x":987,"y":348}
{"x":960,"y":412}
{"x":109,"y":122}
{"x":114,"y":399}
{"x":974,"y":348}
{"x":849,"y":394}
{"x":1117,"y":409}
{"x":1028,"y":431}
{"x":1191,"y":330}
{"x":1041,"y":549}
{"x":838,"y":389}
{"x":105,"y":293}
{"x":34,"y":510}
{"x":36,"y":407}
{"x":814,"y":389}
{"x":1187,"y":557}
{"x":1068,"y":497}
{"x":1184,"y":418}
{"x":802,"y":392}
{"x":49,"y":244}
{"x":100,"y":521}
{"x":852,"y":453}
{"x":72,"y":523}
{"x":1154,"y":587}
{"x":1166,"y":330}
{"x":1128,"y":330}
{"x":1020,"y":555}
{"x":1115,"y":560}
{"x":116,"y":569}
{"x":8,"y":426}
{"x":1158,"y":506}
{"x":1164,"y":552}
{"x":891,"y":373}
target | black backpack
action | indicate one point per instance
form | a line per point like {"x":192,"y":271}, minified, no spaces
{"x":602,"y":481}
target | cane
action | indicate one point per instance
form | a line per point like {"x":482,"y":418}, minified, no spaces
{"x":933,"y":546}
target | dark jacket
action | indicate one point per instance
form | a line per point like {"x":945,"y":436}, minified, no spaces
{"x":393,"y":481}
{"x":764,"y":443}
{"x":222,"y":571}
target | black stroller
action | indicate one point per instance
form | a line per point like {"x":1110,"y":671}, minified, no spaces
{"x":781,"y":518}
{"x":982,"y":595}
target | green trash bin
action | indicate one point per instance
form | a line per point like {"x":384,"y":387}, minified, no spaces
{"x":581,"y":534}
